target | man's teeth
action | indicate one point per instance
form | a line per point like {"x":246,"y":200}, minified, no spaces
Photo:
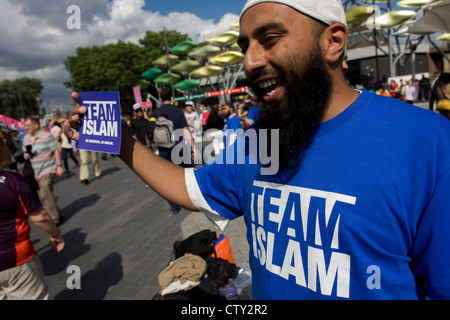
{"x":267,"y":83}
{"x":270,"y":93}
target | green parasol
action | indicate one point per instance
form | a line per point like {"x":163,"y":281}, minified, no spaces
{"x":151,"y":74}
{"x":187,"y":84}
{"x":184,"y":47}
{"x":164,"y":79}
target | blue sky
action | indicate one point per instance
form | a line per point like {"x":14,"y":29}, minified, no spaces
{"x":36,"y":40}
{"x":205,"y":9}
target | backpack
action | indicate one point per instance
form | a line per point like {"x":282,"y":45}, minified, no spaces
{"x":163,"y":131}
{"x":162,"y":134}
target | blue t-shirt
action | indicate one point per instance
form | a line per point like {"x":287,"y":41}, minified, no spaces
{"x":367,"y":215}
{"x":253,"y":113}
{"x":232,"y":124}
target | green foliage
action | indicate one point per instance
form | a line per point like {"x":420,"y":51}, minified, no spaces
{"x":18,"y":98}
{"x":117,"y":67}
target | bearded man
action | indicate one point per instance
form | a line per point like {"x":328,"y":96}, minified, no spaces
{"x":359,"y":208}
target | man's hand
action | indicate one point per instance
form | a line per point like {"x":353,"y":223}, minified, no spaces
{"x":74,"y":121}
{"x":59,"y":171}
{"x":57,"y":242}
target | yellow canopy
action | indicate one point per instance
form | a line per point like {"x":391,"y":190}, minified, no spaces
{"x":224,"y":38}
{"x":204,"y":52}
{"x":358,"y":14}
{"x":163,"y":62}
{"x":227,"y":58}
{"x":206,"y":72}
{"x":185,"y":66}
{"x":390,"y":19}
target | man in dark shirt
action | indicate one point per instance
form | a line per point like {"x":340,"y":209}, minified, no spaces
{"x":174,"y":114}
{"x":140,"y":126}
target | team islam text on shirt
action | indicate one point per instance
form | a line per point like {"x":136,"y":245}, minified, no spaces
{"x":288,"y":207}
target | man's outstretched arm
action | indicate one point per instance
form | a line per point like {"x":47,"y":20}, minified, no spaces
{"x":164,"y":177}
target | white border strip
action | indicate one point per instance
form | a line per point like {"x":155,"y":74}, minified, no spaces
{"x":199,"y":201}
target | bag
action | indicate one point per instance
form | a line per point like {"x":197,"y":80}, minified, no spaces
{"x":162,"y":134}
{"x":223,"y":248}
{"x":220,"y":270}
{"x":200,"y":244}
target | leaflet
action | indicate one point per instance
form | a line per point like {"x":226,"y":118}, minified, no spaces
{"x":100,"y":129}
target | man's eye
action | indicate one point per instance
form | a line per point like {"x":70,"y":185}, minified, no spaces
{"x":269,"y":39}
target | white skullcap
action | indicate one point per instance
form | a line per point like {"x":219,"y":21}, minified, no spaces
{"x":327,"y":11}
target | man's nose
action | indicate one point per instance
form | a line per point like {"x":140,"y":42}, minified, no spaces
{"x":255,"y":59}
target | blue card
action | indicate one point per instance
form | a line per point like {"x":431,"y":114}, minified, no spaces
{"x":100,"y":129}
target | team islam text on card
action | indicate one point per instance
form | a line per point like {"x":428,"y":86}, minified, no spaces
{"x":100,"y":129}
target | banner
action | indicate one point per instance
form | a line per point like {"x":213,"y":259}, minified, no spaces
{"x":137,"y":94}
{"x":100,"y":129}
{"x":12,"y":123}
{"x":226,"y":92}
{"x":212,"y":94}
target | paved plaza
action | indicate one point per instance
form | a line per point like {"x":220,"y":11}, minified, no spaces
{"x":120,"y":234}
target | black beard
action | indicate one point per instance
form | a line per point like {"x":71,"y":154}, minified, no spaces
{"x":308,"y":89}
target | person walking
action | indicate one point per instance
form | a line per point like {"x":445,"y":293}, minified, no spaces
{"x":140,"y":126}
{"x":84,"y":168}
{"x":410,"y":92}
{"x":21,"y":276}
{"x":46,"y":163}
{"x":433,"y":91}
{"x":67,"y":151}
{"x":169,"y":111}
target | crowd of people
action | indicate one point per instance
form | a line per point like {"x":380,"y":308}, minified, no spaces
{"x":218,"y":120}
{"x":412,"y":91}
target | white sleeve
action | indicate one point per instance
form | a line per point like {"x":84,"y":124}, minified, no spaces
{"x":199,"y":201}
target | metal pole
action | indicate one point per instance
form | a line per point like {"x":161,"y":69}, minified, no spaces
{"x":168,"y":62}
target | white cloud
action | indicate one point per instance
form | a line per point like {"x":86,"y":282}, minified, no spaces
{"x":35,"y":40}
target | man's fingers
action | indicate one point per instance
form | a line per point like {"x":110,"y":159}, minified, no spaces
{"x":69,"y":132}
{"x":74,"y":122}
{"x":76,"y":97}
{"x":79,"y":111}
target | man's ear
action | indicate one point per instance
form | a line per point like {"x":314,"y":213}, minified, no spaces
{"x":334,"y":42}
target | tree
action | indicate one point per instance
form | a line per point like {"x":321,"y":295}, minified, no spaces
{"x":18,"y":98}
{"x":117,"y":67}
{"x":153,"y":42}
{"x":113,"y":67}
